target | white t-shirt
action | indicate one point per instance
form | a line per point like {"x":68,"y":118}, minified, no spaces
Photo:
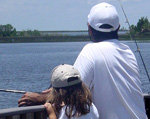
{"x":93,"y":114}
{"x":110,"y":70}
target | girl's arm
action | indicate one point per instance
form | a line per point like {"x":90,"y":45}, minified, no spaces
{"x":50,"y":111}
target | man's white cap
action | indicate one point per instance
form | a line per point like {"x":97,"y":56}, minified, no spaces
{"x":103,"y":13}
{"x":65,"y":75}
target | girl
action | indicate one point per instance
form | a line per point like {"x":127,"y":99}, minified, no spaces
{"x":69,"y":98}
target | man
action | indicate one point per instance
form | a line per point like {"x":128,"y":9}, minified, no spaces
{"x":109,"y":68}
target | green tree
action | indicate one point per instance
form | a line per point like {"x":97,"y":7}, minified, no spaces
{"x":21,"y":33}
{"x":7,"y":30}
{"x":36,"y":33}
{"x":1,"y":27}
{"x":143,"y":25}
{"x":133,"y":29}
{"x":29,"y":33}
{"x":13,"y":32}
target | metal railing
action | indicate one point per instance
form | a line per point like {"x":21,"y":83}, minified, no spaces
{"x":39,"y":112}
{"x":30,"y":112}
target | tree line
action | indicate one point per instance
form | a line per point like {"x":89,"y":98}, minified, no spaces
{"x":9,"y":31}
{"x":141,"y":28}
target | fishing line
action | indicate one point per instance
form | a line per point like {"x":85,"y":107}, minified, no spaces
{"x":138,"y":49}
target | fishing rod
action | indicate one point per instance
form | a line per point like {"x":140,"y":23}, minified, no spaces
{"x":13,"y":91}
{"x":18,"y":91}
{"x":138,"y":49}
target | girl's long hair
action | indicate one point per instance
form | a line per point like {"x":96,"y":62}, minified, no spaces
{"x":76,"y":97}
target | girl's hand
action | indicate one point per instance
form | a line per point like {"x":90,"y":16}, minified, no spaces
{"x":50,"y":111}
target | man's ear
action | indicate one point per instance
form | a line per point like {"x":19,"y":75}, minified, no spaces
{"x":89,"y":30}
{"x":90,"y":33}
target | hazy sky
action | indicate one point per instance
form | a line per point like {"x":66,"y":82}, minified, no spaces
{"x":64,"y":14}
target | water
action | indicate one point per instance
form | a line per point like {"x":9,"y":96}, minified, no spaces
{"x":27,"y":66}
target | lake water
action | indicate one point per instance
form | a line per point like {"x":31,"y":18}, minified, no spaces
{"x":27,"y":66}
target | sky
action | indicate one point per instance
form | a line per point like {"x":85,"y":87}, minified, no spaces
{"x":58,"y":15}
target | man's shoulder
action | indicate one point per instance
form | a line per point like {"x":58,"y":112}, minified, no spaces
{"x":95,"y":45}
{"x":89,"y":45}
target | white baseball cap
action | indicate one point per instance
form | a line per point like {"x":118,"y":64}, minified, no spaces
{"x":65,"y":75}
{"x":101,"y":14}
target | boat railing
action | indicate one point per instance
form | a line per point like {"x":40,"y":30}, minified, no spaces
{"x":39,"y":112}
{"x":29,"y":112}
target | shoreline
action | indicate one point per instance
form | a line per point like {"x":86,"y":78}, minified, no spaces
{"x":66,"y":38}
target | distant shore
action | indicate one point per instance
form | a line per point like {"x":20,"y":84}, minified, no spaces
{"x":64,"y":38}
